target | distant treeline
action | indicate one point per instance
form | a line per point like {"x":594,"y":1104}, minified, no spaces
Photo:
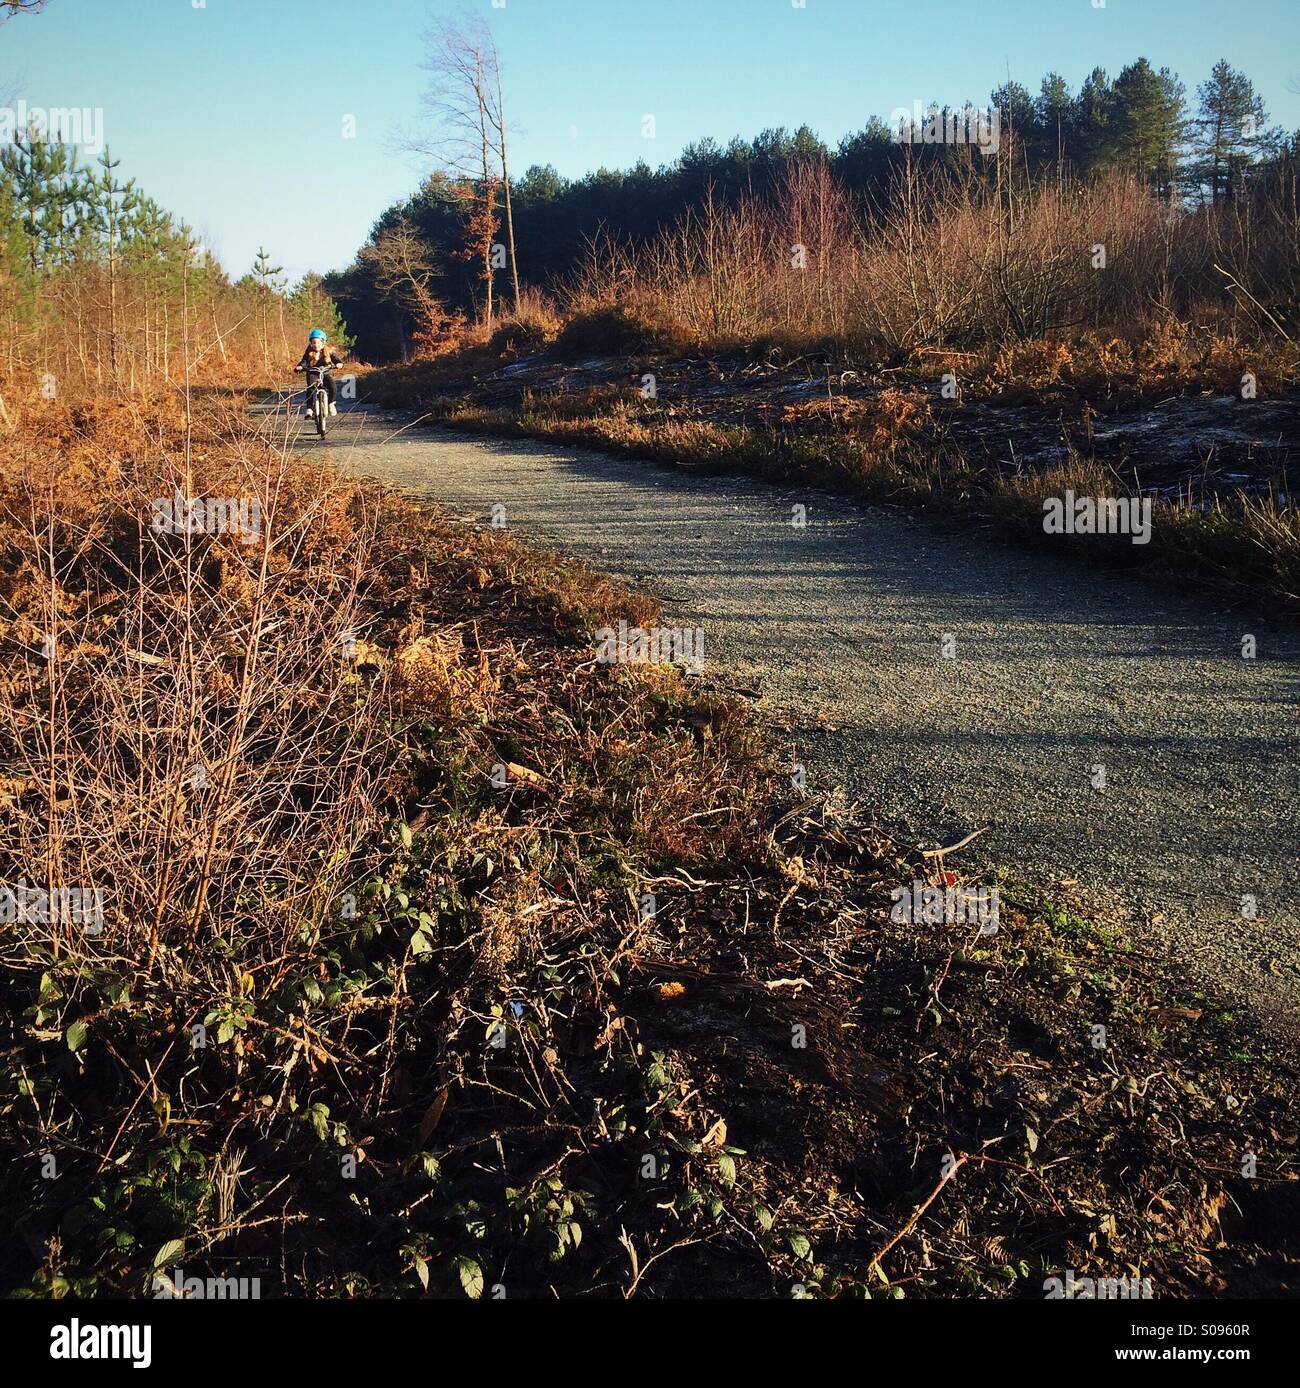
{"x":1204,"y":151}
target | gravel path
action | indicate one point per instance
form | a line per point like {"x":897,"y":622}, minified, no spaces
{"x":1058,"y":670}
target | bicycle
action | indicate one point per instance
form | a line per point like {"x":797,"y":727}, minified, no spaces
{"x":318,"y":400}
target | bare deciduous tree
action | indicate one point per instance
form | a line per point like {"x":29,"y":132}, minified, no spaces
{"x":9,"y":8}
{"x":403,"y":272}
{"x":466,"y":103}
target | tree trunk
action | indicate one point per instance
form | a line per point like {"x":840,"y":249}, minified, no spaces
{"x":505,"y":179}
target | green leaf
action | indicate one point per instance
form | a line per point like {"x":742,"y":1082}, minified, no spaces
{"x":168,"y":1253}
{"x":799,"y":1246}
{"x":404,"y":830}
{"x":727,"y":1170}
{"x":77,"y":1034}
{"x":420,"y":943}
{"x":471,"y":1277}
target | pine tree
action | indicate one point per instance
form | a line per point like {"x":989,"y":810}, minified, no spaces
{"x":39,"y":172}
{"x":115,"y":204}
{"x":1150,"y":123}
{"x":1015,"y":108}
{"x":1229,"y":131}
{"x":1055,"y":116}
{"x":149,"y":238}
{"x":1094,"y":122}
{"x":266,"y":279}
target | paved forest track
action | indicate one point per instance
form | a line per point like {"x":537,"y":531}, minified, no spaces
{"x":1058,"y":668}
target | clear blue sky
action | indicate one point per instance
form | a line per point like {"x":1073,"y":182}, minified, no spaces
{"x":226,"y":113}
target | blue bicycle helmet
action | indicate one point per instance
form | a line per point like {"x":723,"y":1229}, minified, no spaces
{"x":316,"y":332}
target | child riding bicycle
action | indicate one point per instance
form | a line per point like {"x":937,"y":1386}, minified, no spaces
{"x":320,"y":356}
